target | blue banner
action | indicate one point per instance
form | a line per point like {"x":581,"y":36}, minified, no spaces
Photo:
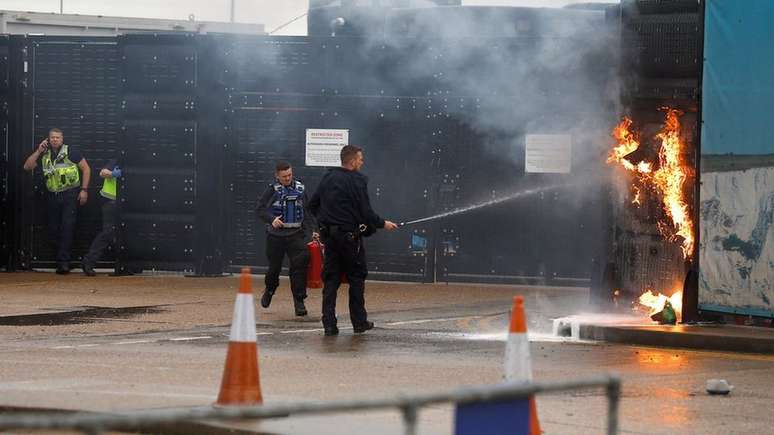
{"x":492,"y":418}
{"x":736,"y":214}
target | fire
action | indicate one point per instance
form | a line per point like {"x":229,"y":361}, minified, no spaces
{"x":656,"y":301}
{"x":628,"y":142}
{"x":636,"y":199}
{"x":667,"y":182}
{"x":670,"y":180}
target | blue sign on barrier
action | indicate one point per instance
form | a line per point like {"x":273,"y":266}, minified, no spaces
{"x":493,"y":418}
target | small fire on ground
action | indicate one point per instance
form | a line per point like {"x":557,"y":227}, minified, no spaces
{"x":664,"y":179}
{"x":663,"y":309}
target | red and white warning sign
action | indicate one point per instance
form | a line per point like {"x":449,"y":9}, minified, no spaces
{"x":323,"y":146}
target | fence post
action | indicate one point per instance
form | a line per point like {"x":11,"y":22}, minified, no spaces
{"x":613,"y":402}
{"x":410,"y":419}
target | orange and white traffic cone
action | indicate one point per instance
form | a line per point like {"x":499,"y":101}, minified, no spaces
{"x":241,"y":383}
{"x":518,"y":364}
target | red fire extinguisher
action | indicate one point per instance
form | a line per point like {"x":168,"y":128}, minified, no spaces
{"x":314,"y":272}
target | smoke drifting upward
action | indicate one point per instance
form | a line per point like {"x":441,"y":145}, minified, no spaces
{"x":504,"y":72}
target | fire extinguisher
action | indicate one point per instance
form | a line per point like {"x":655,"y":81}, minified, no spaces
{"x":314,"y":272}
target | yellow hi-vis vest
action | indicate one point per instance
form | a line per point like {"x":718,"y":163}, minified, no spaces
{"x":108,"y":188}
{"x":61,"y":173}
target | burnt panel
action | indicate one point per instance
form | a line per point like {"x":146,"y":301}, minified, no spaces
{"x":680,"y":91}
{"x":647,"y":261}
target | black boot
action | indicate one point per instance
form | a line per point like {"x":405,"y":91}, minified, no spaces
{"x":298,"y":304}
{"x":331,"y":331}
{"x":63,"y":269}
{"x":359,"y":329}
{"x":88,"y":269}
{"x":266,"y":298}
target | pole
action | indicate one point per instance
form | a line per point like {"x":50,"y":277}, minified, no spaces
{"x":232,"y":10}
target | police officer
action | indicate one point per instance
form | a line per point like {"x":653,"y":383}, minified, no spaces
{"x":110,"y":172}
{"x":343,"y":209}
{"x":67,"y":179}
{"x":283,"y":207}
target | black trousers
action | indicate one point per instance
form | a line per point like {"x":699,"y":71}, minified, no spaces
{"x":106,"y":236}
{"x":294,"y":246}
{"x":62,"y":214}
{"x":344,"y":253}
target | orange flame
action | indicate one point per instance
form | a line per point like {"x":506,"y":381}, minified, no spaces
{"x":668,"y":181}
{"x":637,"y":192}
{"x":656,"y":301}
{"x":628,"y":142}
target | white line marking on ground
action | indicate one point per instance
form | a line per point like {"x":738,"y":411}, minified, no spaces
{"x":134,"y":342}
{"x":190,"y":338}
{"x":301,"y":331}
{"x":446,"y":319}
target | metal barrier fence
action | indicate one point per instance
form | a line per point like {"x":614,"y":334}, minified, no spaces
{"x":409,"y":405}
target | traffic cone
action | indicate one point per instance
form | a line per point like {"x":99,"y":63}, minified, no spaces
{"x":241,"y":382}
{"x":518,"y":364}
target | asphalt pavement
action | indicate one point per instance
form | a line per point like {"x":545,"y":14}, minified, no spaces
{"x":111,"y":344}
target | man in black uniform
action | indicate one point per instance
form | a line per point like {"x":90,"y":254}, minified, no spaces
{"x":343,"y":209}
{"x":288,"y":227}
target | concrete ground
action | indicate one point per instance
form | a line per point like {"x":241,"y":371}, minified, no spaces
{"x":150,"y":342}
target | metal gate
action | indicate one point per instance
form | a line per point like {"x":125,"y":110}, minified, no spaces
{"x":199,"y":121}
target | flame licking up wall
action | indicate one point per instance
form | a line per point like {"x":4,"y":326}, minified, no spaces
{"x":667,"y":183}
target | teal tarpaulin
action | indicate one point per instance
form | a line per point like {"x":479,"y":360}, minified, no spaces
{"x":736,"y":251}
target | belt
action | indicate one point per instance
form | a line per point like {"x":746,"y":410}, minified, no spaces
{"x":340,"y":228}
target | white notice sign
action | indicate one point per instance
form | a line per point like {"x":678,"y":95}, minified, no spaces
{"x":548,"y":153}
{"x":323,"y":146}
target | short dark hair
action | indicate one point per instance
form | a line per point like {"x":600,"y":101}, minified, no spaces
{"x":55,"y":130}
{"x":349,"y":152}
{"x":282,"y":165}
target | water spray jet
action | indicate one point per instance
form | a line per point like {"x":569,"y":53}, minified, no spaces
{"x":461,"y":210}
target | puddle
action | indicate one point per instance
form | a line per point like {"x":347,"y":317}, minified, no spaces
{"x":86,"y":314}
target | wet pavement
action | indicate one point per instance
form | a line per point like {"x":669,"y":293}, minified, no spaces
{"x":78,"y":315}
{"x":165,"y":348}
